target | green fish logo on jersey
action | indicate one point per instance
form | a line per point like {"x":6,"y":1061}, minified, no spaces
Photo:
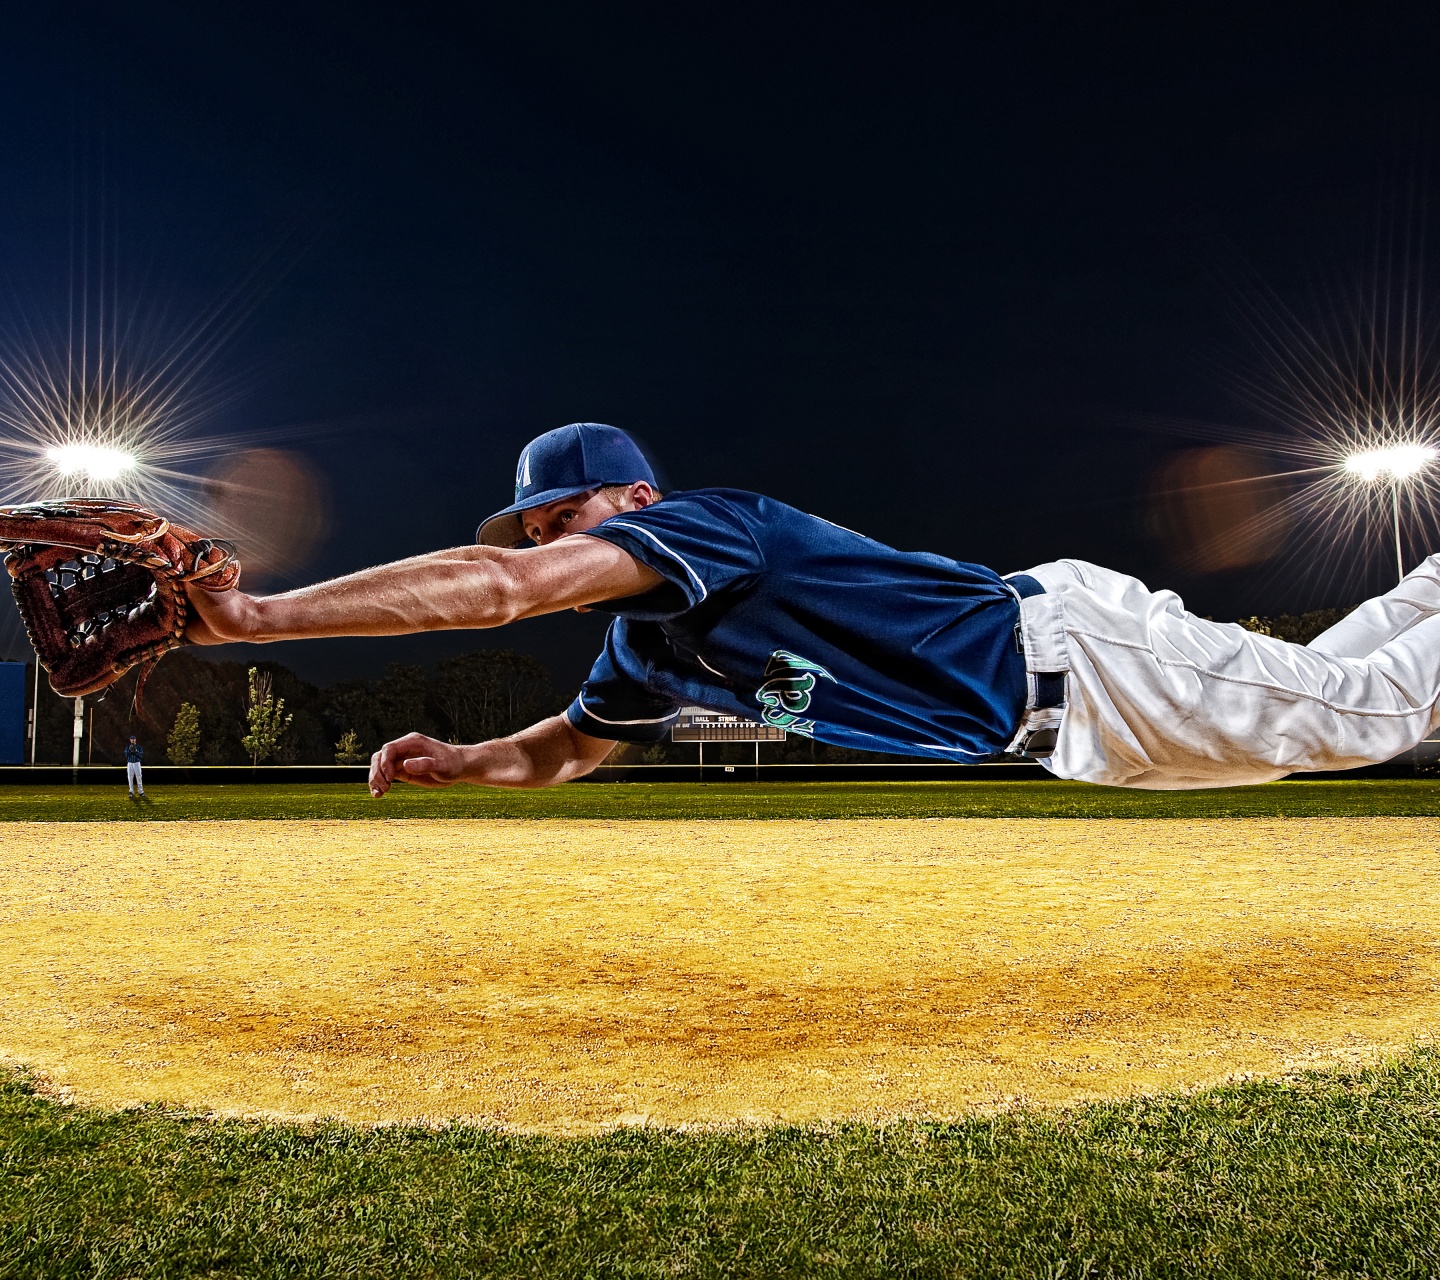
{"x":789,"y":681}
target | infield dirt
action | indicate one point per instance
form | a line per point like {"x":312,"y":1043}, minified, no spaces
{"x":569,"y":976}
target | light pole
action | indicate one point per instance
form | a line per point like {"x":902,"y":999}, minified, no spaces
{"x":1397,"y":462}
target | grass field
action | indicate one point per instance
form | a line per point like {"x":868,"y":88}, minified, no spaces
{"x":1277,"y":941}
{"x":1317,"y":1175}
{"x":731,"y":800}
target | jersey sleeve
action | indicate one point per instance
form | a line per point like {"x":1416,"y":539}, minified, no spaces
{"x":615,"y":701}
{"x":699,"y":542}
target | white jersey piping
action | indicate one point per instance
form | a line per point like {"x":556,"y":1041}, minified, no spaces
{"x":602,"y":720}
{"x":679,"y":559}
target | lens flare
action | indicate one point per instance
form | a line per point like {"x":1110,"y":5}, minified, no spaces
{"x":90,"y":461}
{"x":131,"y":426}
{"x":130,"y":411}
{"x":1339,"y":384}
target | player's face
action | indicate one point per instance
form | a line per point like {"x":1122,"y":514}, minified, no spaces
{"x":568,"y":515}
{"x":584,"y":511}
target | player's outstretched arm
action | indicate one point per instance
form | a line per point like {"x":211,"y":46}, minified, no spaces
{"x":545,"y":753}
{"x":446,"y":590}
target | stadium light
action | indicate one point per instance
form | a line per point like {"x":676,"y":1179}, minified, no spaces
{"x":93,"y":461}
{"x":1398,"y":462}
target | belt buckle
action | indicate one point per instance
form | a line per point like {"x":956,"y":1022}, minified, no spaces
{"x":1039,"y":744}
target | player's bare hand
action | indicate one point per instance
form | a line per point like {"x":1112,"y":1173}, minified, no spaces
{"x":219,"y":617}
{"x":422,"y":761}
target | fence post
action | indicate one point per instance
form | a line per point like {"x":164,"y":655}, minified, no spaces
{"x":79,"y":733}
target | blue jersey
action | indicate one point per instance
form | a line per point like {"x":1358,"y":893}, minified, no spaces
{"x":779,"y":616}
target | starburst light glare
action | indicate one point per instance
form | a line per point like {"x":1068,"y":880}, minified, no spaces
{"x":92,"y":461}
{"x":1400,"y":462}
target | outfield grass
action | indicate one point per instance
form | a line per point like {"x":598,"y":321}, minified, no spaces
{"x":1324,"y":1174}
{"x":667,"y":800}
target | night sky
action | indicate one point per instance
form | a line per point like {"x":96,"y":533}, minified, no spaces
{"x":940,"y":277}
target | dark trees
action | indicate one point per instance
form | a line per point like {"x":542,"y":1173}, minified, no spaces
{"x":467,"y":698}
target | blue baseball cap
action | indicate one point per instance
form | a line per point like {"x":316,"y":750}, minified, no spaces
{"x":560,"y":464}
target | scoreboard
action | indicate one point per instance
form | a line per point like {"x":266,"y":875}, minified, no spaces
{"x":700,"y":724}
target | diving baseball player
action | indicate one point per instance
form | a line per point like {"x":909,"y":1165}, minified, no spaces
{"x":737,"y":602}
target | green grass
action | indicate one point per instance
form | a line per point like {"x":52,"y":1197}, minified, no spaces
{"x":1334,"y":1175}
{"x":1418,"y":798}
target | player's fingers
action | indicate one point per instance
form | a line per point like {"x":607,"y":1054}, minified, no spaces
{"x":385,"y":764}
{"x":440,"y":759}
{"x":382,"y":771}
{"x":383,"y":768}
{"x":427,"y":771}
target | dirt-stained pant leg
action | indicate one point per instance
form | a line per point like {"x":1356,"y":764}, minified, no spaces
{"x":1160,"y":698}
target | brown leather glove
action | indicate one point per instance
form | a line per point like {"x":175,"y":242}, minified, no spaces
{"x":101,"y":585}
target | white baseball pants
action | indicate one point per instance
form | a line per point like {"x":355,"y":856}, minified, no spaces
{"x":133,"y":778}
{"x":1159,"y":698}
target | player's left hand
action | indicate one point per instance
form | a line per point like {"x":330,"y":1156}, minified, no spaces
{"x":425,"y":762}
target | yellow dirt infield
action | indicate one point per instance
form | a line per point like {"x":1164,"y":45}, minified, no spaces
{"x":569,"y":976}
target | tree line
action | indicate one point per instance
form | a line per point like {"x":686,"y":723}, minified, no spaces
{"x":222,"y":715}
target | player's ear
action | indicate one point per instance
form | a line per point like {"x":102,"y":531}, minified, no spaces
{"x":642,"y":495}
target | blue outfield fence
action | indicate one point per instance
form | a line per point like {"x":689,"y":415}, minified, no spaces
{"x":12,"y":712}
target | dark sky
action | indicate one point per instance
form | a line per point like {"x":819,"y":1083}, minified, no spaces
{"x":929,"y":274}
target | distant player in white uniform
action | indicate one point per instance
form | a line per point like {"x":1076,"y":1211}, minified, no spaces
{"x":736,"y":602}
